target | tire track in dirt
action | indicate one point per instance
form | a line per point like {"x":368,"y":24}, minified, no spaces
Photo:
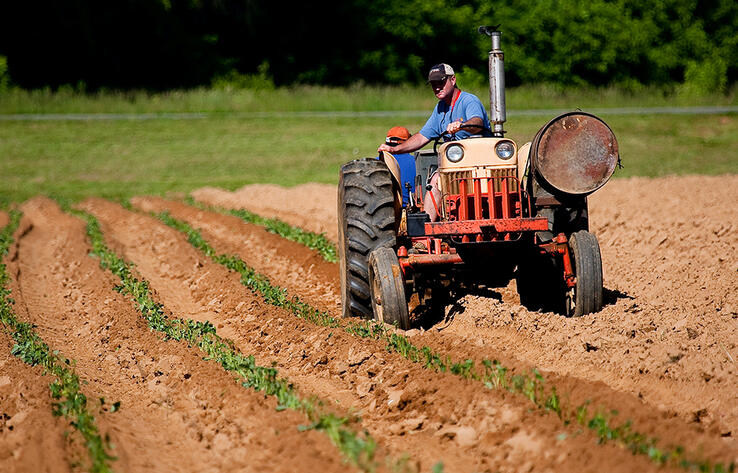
{"x":425,"y":407}
{"x":647,"y":342}
{"x":178,"y":413}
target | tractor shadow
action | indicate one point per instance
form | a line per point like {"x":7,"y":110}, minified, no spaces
{"x":612,"y":296}
{"x":443,"y":307}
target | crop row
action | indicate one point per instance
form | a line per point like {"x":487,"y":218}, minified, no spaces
{"x":358,"y":448}
{"x":70,"y":402}
{"x":492,"y":374}
{"x":314,"y":241}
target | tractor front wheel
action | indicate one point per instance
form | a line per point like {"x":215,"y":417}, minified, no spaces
{"x":387,"y":288}
{"x":586,"y":296}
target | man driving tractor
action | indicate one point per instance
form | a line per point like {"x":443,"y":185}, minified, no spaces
{"x":454,"y":110}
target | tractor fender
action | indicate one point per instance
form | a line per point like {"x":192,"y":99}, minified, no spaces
{"x":394,"y":169}
{"x":523,"y":165}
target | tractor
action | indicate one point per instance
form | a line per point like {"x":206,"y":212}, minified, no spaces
{"x":505,"y":212}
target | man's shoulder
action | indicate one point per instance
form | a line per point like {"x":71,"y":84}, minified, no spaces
{"x":468,"y":97}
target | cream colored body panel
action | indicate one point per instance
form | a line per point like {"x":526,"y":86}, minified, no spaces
{"x":477,"y":152}
{"x":523,"y":156}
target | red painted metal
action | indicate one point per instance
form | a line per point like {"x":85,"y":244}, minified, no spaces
{"x":414,"y":260}
{"x":560,"y":245}
{"x":481,"y":226}
{"x":477,"y":198}
{"x":402,"y":252}
{"x":435,"y":204}
{"x":505,"y":200}
{"x":491,"y":199}
{"x":463,"y":204}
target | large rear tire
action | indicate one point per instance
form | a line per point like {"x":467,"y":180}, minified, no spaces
{"x":586,"y":296}
{"x":366,"y":221}
{"x":387,"y":289}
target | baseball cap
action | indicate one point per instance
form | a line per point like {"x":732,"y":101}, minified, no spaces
{"x":397,"y":135}
{"x":440,"y":71}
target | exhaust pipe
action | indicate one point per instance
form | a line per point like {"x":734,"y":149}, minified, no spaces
{"x":496,"y":81}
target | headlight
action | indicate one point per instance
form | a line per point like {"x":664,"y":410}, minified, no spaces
{"x":454,"y":153}
{"x":505,"y":149}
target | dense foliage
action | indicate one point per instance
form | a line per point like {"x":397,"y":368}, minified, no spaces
{"x":160,"y":44}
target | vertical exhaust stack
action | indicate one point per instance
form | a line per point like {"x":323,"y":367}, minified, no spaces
{"x":497,"y":114}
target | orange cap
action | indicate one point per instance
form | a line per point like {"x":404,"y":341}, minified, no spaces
{"x":397,"y":135}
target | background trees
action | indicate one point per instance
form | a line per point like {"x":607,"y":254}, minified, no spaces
{"x":162,"y":44}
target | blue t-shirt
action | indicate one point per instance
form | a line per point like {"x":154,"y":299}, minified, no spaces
{"x":467,"y":106}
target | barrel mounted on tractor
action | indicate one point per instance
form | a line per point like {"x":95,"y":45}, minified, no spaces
{"x":504,"y":212}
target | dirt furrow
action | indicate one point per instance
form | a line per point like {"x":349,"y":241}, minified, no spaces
{"x":31,"y":438}
{"x":425,"y":408}
{"x":316,"y":214}
{"x":177,"y":412}
{"x":668,"y":333}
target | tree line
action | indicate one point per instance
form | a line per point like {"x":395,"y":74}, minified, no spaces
{"x":165,"y":44}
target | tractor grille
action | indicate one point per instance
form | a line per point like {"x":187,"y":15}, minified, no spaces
{"x":450,"y":179}
{"x":482,"y":193}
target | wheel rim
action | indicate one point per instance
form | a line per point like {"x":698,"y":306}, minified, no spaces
{"x":377,"y":298}
{"x":571,"y":301}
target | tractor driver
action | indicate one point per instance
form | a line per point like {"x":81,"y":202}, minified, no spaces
{"x":454,"y":109}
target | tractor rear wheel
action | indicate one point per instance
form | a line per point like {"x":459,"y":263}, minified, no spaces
{"x":387,"y":288}
{"x":366,"y":221}
{"x":586,"y":296}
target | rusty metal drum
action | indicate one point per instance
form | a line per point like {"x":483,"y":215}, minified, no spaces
{"x":575,"y":153}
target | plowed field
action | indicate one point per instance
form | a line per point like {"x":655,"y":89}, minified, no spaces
{"x":659,"y":358}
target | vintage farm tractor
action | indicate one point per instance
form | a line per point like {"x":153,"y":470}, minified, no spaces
{"x":505,"y":212}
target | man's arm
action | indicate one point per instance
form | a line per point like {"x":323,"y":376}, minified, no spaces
{"x":413,"y":143}
{"x":455,"y":126}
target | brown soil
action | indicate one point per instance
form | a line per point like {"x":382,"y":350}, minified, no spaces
{"x":31,"y":438}
{"x":406,"y":408}
{"x":178,"y":412}
{"x":662,"y":352}
{"x":669,"y":331}
{"x":308,"y":206}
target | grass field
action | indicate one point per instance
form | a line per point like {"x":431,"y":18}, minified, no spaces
{"x":71,"y":159}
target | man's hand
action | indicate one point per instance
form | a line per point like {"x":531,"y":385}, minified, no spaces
{"x":385,"y":147}
{"x":454,"y":126}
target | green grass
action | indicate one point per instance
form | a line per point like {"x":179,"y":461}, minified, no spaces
{"x":355,"y":98}
{"x":70,"y":160}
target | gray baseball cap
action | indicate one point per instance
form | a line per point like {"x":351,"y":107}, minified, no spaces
{"x":440,"y":71}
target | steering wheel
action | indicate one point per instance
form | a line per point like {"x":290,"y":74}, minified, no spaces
{"x":437,"y":139}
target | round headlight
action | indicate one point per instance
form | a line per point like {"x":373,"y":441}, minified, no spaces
{"x":454,"y":153}
{"x":505,"y":149}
